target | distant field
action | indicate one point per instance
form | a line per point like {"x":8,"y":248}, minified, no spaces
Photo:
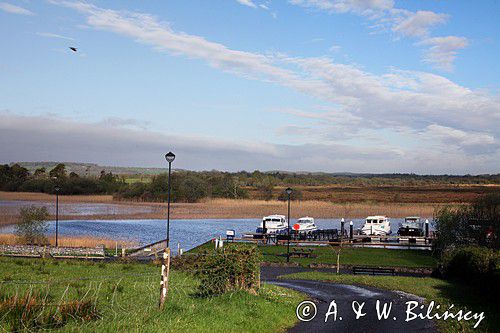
{"x":389,"y":194}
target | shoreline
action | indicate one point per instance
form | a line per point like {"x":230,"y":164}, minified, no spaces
{"x":217,"y":208}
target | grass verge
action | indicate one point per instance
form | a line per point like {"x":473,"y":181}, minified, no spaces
{"x":442,"y":292}
{"x":348,"y":256}
{"x":126,"y":298}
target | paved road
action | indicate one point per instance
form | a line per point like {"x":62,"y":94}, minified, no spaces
{"x":322,"y":293}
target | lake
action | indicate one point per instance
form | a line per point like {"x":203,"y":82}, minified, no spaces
{"x":189,"y":233}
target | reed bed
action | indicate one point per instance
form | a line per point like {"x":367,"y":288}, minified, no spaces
{"x":229,"y":208}
{"x":11,"y":239}
{"x":34,"y":196}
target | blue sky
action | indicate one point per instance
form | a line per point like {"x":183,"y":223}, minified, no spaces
{"x":314,"y":85}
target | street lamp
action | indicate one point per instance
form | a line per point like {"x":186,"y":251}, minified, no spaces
{"x":288,"y":192}
{"x":170,"y":157}
{"x":57,"y":188}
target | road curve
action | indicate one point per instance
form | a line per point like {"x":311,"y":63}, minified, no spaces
{"x":323,"y":293}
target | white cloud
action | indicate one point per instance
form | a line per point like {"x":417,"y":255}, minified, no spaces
{"x":335,"y":48}
{"x":13,"y":9}
{"x":443,"y":50}
{"x":396,"y":100}
{"x":52,"y":35}
{"x":248,"y":3}
{"x":460,"y":137}
{"x":42,"y":138}
{"x":418,"y":24}
{"x":53,"y":138}
{"x":342,"y":6}
{"x":387,"y":17}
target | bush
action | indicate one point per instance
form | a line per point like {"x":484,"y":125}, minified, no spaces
{"x":233,"y":268}
{"x":33,"y":225}
{"x":477,"y":224}
{"x":468,"y":263}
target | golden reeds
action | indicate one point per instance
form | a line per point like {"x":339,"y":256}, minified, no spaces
{"x":10,"y":239}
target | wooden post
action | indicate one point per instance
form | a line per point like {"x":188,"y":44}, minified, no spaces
{"x":165,"y":272}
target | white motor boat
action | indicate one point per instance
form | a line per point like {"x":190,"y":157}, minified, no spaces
{"x":376,"y":226}
{"x":273,"y":224}
{"x":304,"y":225}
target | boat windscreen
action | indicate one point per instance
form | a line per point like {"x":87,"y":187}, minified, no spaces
{"x":412,"y":224}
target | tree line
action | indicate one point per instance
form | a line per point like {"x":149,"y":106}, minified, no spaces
{"x":187,"y":186}
{"x":192,"y":186}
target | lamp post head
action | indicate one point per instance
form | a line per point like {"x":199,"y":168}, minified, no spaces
{"x":57,"y":188}
{"x":288,"y":191}
{"x":170,"y":157}
{"x":342,"y":220}
{"x":426,"y":221}
{"x":350,"y":223}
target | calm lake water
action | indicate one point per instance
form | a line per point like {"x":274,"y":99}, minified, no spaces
{"x":76,"y":209}
{"x":189,"y":233}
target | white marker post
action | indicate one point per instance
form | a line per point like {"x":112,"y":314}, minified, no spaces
{"x":165,"y":272}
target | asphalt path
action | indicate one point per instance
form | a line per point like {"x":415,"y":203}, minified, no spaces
{"x":323,"y":293}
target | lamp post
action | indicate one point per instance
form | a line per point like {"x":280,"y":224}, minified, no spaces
{"x":57,"y":215}
{"x":288,"y":192}
{"x":170,"y":157}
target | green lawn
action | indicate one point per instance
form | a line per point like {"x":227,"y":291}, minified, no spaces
{"x":441,"y":291}
{"x":126,"y":298}
{"x":348,"y":256}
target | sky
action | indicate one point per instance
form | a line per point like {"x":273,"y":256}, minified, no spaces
{"x":377,"y":86}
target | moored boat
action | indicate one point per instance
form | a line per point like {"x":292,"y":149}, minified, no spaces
{"x":273,"y":224}
{"x":377,"y":225}
{"x":305,"y":225}
{"x":412,"y":226}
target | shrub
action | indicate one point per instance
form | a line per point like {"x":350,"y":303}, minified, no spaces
{"x":33,"y":225}
{"x":232,"y":268}
{"x":477,"y":224}
{"x":468,"y":263}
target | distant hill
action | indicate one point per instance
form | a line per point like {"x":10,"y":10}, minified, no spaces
{"x":92,"y":169}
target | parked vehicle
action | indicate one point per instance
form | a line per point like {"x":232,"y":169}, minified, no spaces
{"x":376,"y":226}
{"x":412,"y":226}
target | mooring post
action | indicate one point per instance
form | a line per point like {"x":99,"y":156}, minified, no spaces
{"x":351,"y":233}
{"x":165,"y":272}
{"x":342,"y":222}
{"x":426,"y":229}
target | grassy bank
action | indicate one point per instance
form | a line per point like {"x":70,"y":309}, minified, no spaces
{"x":125,"y":299}
{"x":354,"y":256}
{"x":348,"y":256}
{"x":442,"y":292}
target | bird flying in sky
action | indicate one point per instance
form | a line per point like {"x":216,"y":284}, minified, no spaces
{"x":74,"y":49}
